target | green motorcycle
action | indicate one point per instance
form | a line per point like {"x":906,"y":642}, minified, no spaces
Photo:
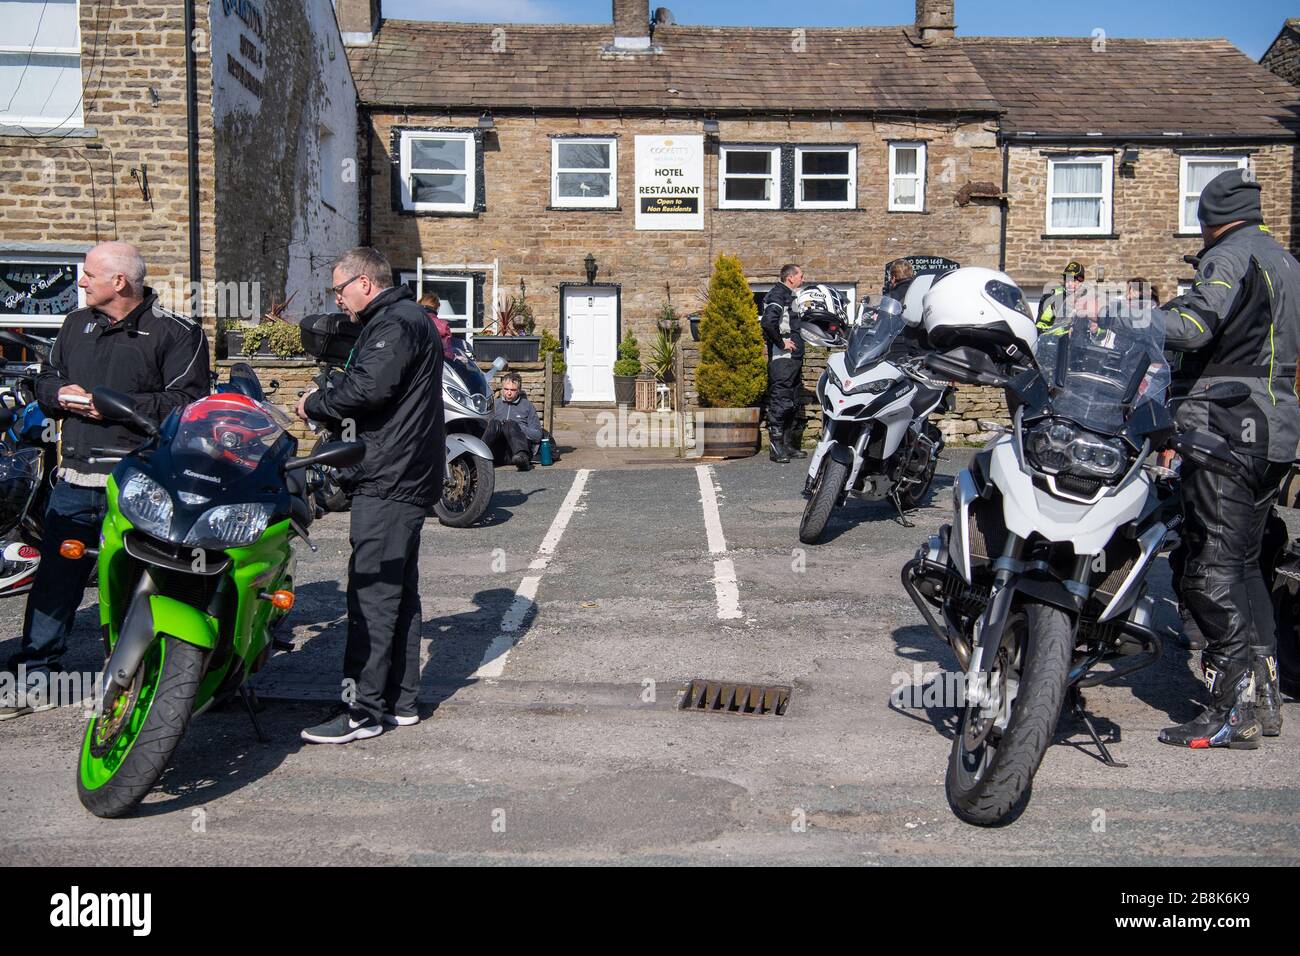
{"x":196,"y":565}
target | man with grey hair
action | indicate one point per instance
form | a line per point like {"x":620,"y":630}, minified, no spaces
{"x":391,"y":393}
{"x":123,"y":340}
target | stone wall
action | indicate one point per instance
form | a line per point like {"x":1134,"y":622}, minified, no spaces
{"x":975,"y":404}
{"x":1145,"y":240}
{"x":545,"y":247}
{"x":1283,"y":57}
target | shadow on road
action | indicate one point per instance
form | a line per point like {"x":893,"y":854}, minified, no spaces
{"x":857,"y":512}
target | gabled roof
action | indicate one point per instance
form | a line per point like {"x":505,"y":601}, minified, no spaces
{"x":1060,"y":86}
{"x":562,"y":67}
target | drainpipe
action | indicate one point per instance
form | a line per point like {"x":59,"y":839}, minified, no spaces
{"x":192,"y":133}
{"x":1006,"y":201}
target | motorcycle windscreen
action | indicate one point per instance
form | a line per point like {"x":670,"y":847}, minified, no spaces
{"x":871,"y":338}
{"x":1102,"y":368}
{"x":226,"y":436}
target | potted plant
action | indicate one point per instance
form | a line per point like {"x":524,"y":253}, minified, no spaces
{"x":234,"y":332}
{"x":550,"y":345}
{"x":626,"y":369}
{"x":732,"y":374}
{"x":280,"y":339}
{"x":510,"y":335}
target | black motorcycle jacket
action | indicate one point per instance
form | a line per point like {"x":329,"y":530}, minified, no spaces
{"x":157,"y":357}
{"x":780,"y":323}
{"x":1240,"y":321}
{"x":392,"y":393}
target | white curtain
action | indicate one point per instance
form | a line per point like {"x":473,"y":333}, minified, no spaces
{"x":1077,"y":211}
{"x":1198,"y":177}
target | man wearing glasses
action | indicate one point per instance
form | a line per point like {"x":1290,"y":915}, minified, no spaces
{"x":391,"y":395}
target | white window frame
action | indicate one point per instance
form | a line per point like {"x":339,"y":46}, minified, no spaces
{"x":799,"y":177}
{"x":577,"y":202}
{"x":17,"y":257}
{"x":895,"y":176}
{"x":849,"y":289}
{"x":1194,"y":228}
{"x":470,"y":304}
{"x":76,"y":118}
{"x":773,"y":177}
{"x":1107,"y":163}
{"x":471,"y":175}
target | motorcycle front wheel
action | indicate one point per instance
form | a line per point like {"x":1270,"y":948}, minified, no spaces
{"x":126,"y":750}
{"x":991,"y":769}
{"x":466,"y":491}
{"x":826,"y":495}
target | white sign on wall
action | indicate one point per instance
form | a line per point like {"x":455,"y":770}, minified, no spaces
{"x":670,"y":182}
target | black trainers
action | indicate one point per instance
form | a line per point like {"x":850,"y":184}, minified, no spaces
{"x":394,"y":719}
{"x":343,"y":728}
{"x":17,"y":701}
{"x":521,"y":461}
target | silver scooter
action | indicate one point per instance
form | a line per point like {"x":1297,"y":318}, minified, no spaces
{"x":470,"y":476}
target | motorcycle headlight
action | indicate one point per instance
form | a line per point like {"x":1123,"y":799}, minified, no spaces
{"x":1058,"y":447}
{"x":458,"y":396}
{"x":481,"y":403}
{"x":146,"y":504}
{"x":877,"y":387}
{"x":230,"y":526}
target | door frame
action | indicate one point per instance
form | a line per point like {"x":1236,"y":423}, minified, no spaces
{"x":564,"y":287}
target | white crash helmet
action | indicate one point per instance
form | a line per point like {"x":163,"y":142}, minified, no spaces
{"x":823,"y":316}
{"x":979,"y":307}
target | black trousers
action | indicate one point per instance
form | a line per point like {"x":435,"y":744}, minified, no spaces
{"x":784,"y":383}
{"x":381,"y":666}
{"x":1222,"y":584}
{"x":506,"y":439}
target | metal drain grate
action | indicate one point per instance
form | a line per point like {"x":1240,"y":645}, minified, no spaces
{"x":746,"y":700}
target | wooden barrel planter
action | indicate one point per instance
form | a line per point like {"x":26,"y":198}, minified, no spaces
{"x":727,"y":432}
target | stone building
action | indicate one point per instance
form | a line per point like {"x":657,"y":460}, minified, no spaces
{"x":1107,"y":143}
{"x":501,"y":155}
{"x":229,"y":160}
{"x":1283,"y":54}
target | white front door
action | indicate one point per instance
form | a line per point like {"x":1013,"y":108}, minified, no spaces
{"x":591,"y":343}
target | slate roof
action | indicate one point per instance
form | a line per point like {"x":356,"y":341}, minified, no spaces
{"x":1061,"y":86}
{"x":562,"y":66}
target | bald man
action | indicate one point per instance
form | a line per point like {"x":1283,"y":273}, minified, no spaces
{"x":124,"y":340}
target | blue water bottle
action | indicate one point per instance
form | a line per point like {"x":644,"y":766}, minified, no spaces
{"x":544,"y":453}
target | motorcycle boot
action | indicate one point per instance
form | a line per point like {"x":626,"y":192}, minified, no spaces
{"x":1268,"y":692}
{"x":792,"y":439}
{"x":1229,"y":720}
{"x":777,"y":451}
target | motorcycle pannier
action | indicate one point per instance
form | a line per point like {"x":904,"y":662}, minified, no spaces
{"x":329,"y":337}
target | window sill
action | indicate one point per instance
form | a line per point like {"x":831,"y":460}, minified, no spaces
{"x":439,"y":214}
{"x":913,"y":212}
{"x":1079,"y":235}
{"x":1188,"y":235}
{"x":32,"y":132}
{"x":584,"y":208}
{"x":796,"y":209}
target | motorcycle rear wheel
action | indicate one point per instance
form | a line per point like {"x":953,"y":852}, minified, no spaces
{"x":466,"y":492}
{"x":125,"y":752}
{"x":989,"y":783}
{"x":826,"y":495}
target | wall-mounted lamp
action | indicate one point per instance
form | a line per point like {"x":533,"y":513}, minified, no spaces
{"x":1128,"y":156}
{"x":711,"y":127}
{"x":590,"y":263}
{"x":486,"y":122}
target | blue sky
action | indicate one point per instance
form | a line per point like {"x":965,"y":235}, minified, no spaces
{"x":1251,"y":25}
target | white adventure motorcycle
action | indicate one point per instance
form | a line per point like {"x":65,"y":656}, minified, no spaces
{"x":1039,"y":582}
{"x":877,"y":439}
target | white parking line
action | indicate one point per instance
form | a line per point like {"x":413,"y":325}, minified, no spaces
{"x":494,"y":658}
{"x":724,"y":571}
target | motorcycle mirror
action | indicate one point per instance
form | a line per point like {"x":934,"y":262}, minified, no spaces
{"x":1220,"y":393}
{"x":889,"y":306}
{"x":119,"y":407}
{"x":967,"y":365}
{"x":1209,"y":451}
{"x":337,"y":454}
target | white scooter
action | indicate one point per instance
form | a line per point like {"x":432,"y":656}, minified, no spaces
{"x":470,"y":476}
{"x":877,"y":440}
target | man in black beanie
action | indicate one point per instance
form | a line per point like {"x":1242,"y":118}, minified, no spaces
{"x":1240,"y":322}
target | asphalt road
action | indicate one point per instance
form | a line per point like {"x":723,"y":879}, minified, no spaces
{"x":560,"y":741}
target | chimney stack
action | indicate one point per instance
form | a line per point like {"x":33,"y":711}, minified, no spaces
{"x":936,"y":19}
{"x":631,"y":24}
{"x":358,"y":20}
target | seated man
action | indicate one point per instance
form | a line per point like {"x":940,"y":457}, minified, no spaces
{"x":514,"y":427}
